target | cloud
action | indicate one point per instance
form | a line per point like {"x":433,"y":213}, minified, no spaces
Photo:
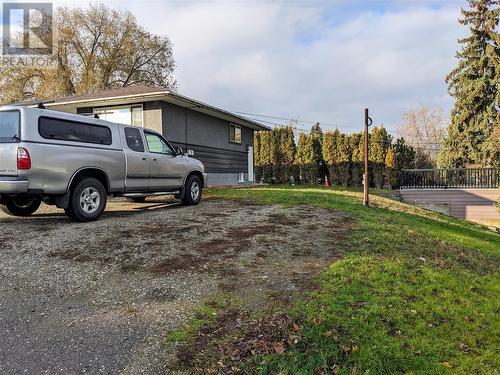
{"x":318,"y":61}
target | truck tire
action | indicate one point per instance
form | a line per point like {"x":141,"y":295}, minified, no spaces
{"x":192,"y":191}
{"x":20,"y":206}
{"x":87,"y":200}
{"x":137,"y":199}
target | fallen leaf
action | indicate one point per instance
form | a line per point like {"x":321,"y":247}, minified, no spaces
{"x":447,"y":364}
{"x":345,"y":348}
{"x":279,"y":348}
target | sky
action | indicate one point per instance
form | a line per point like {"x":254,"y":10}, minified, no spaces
{"x":309,"y":60}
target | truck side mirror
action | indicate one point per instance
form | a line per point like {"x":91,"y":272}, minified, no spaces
{"x":178,"y":150}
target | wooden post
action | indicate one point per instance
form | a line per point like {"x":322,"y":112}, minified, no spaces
{"x":366,"y":180}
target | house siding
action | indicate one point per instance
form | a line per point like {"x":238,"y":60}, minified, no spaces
{"x":208,"y":138}
{"x":218,"y":160}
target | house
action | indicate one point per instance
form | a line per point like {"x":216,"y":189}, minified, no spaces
{"x":222,"y":140}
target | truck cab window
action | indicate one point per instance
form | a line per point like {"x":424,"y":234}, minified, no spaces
{"x":157,"y":145}
{"x":134,"y":139}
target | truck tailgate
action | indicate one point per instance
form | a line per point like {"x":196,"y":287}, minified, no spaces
{"x":8,"y":159}
{"x":9,"y":138}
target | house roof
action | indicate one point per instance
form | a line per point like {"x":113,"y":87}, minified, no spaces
{"x":141,"y":93}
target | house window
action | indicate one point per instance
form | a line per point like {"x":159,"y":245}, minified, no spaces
{"x":136,"y":111}
{"x":234,"y":133}
{"x":128,"y":115}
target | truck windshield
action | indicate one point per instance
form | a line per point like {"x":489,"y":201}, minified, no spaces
{"x":9,"y":127}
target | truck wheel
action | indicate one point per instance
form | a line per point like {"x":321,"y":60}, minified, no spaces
{"x":20,"y":206}
{"x":192,"y":191}
{"x":137,"y":199}
{"x":87,"y":200}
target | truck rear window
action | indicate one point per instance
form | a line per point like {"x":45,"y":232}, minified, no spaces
{"x":65,"y":130}
{"x":9,"y":127}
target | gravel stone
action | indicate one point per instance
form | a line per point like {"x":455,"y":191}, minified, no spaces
{"x":101,"y":297}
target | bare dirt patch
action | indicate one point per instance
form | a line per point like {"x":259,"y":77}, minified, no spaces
{"x":112,"y":289}
{"x":177,"y":263}
{"x":214,"y":247}
{"x":283,"y":219}
{"x":274,"y":334}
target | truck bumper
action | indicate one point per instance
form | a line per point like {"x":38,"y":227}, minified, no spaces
{"x":9,"y":185}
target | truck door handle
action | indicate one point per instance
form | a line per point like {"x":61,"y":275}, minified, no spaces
{"x":154,"y":159}
{"x":144,"y":158}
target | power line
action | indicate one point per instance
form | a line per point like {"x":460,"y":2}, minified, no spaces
{"x":268,"y":122}
{"x":431,"y":146}
{"x":290,"y":121}
{"x":266,"y":116}
{"x":306,"y":122}
{"x":284,"y":126}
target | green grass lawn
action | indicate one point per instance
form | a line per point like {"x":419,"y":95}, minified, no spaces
{"x":418,"y":292}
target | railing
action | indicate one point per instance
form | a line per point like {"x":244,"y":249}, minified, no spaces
{"x":449,"y":178}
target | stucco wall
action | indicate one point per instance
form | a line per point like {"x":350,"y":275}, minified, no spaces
{"x":153,"y":116}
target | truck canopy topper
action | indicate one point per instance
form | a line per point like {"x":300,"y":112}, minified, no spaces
{"x":76,"y":162}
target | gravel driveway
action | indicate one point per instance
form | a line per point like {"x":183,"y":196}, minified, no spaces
{"x":100,"y":297}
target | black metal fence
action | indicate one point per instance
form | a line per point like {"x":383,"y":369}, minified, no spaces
{"x":449,"y":178}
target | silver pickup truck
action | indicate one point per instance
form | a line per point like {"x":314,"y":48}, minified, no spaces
{"x":76,"y":162}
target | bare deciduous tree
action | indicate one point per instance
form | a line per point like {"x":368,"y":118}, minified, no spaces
{"x":424,"y":129}
{"x":96,"y":48}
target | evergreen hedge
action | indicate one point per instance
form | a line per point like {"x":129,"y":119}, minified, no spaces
{"x":331,"y":156}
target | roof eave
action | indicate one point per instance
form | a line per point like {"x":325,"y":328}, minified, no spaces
{"x":235,"y":118}
{"x":163,"y":95}
{"x":134,"y":96}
